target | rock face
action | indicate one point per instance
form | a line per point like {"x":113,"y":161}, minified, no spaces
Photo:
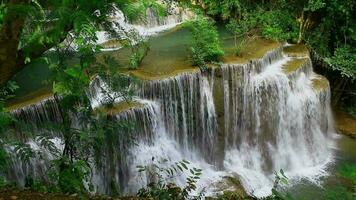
{"x":345,"y":124}
{"x":242,"y":120}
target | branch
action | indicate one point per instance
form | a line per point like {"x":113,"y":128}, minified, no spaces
{"x":35,"y":49}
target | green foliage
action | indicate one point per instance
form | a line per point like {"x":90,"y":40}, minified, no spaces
{"x":24,"y":151}
{"x":280,"y":180}
{"x":326,"y":26}
{"x":6,"y":119}
{"x":38,"y":185}
{"x":2,"y":13}
{"x":229,"y":195}
{"x":205,"y":46}
{"x":225,"y":8}
{"x":314,"y":5}
{"x":239,"y":30}
{"x":338,"y":192}
{"x":352,"y":111}
{"x":3,"y":164}
{"x":69,"y":176}
{"x":278,"y":25}
{"x":70,"y":170}
{"x":47,"y":24}
{"x":119,"y":84}
{"x":344,"y":61}
{"x":162,"y":188}
{"x":139,"y":52}
{"x":348,"y":172}
{"x":139,"y":48}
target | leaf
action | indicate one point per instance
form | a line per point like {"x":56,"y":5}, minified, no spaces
{"x":180,"y":168}
{"x":73,"y":71}
{"x":27,"y":60}
{"x":282,"y":172}
{"x":184,"y":165}
{"x":185,"y":161}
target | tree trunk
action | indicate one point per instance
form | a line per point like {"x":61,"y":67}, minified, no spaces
{"x":304,"y":23}
{"x":11,"y":60}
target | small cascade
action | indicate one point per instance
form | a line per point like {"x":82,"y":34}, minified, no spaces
{"x":37,"y":114}
{"x":115,"y":170}
{"x":188,"y":111}
{"x":165,"y":150}
{"x":152,"y":24}
{"x":36,"y":166}
{"x":155,"y":23}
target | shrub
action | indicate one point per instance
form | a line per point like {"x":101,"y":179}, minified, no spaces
{"x":205,"y":46}
{"x":162,"y":188}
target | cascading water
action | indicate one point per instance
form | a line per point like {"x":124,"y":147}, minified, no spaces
{"x":267,"y":119}
{"x":188,"y":110}
{"x":152,"y":23}
{"x":274,"y":120}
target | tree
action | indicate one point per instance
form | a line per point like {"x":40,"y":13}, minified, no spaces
{"x":327,"y":27}
{"x":32,"y":27}
{"x":29,"y":29}
{"x":205,"y":46}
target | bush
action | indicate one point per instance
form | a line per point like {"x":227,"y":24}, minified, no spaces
{"x":2,"y":12}
{"x":205,"y":46}
{"x":278,"y":25}
{"x":344,"y":61}
{"x":70,"y":177}
{"x":162,"y":187}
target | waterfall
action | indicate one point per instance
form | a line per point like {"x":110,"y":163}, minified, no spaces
{"x":238,"y":120}
{"x":41,"y":112}
{"x":165,"y":150}
{"x":37,"y":166}
{"x":116,"y":167}
{"x":274,"y":120}
{"x":150,"y":25}
{"x":188,"y":111}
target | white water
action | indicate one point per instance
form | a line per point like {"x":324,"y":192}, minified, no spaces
{"x":152,"y":25}
{"x":272,"y":121}
{"x":288,"y":129}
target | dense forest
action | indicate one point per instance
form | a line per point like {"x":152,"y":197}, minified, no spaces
{"x":62,"y":37}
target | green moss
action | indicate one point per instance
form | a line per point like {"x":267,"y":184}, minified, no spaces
{"x":145,"y":75}
{"x":297,"y":50}
{"x":232,"y":189}
{"x":28,"y":99}
{"x":320,"y":83}
{"x":293,"y":65}
{"x":254,"y":49}
{"x":111,"y":44}
{"x":119,"y":107}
